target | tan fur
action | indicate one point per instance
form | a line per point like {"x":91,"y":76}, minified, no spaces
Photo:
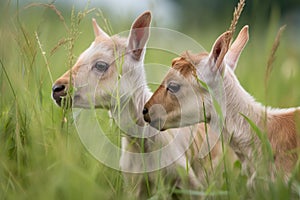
{"x":284,"y":139}
{"x":88,"y":82}
{"x":281,"y":129}
{"x":186,"y":63}
{"x":280,"y":125}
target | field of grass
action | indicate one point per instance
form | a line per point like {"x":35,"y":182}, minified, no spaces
{"x":41,"y":155}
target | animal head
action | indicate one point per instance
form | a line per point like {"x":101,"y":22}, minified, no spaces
{"x":185,"y":92}
{"x":97,"y":70}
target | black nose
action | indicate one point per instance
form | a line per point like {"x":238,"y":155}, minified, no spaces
{"x":146,"y":115}
{"x":58,"y":92}
{"x":145,"y":111}
{"x":58,"y":88}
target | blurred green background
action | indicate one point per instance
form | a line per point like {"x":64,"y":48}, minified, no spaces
{"x":41,"y":156}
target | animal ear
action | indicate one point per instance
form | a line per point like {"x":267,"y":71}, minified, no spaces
{"x":236,"y":48}
{"x":219,"y":51}
{"x":139,"y":35}
{"x":98,"y":31}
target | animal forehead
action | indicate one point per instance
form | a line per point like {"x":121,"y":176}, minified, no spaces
{"x":105,"y":49}
{"x":96,"y":52}
{"x":111,"y":42}
{"x":187,"y":62}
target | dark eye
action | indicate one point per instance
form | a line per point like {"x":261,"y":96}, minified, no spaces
{"x":101,"y":66}
{"x":173,"y":87}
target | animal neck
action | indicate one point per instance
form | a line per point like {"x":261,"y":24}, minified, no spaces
{"x":280,"y":125}
{"x":133,"y":94}
{"x":137,"y":91}
{"x":237,"y":130}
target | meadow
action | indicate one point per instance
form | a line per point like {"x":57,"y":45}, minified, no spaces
{"x":41,"y":155}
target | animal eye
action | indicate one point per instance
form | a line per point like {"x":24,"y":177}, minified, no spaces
{"x":101,"y":66}
{"x":173,"y":87}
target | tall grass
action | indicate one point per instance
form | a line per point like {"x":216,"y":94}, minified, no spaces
{"x":40,"y":159}
{"x":41,"y":156}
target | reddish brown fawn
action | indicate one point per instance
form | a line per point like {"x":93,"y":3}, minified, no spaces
{"x":95,"y":76}
{"x":184,"y":93}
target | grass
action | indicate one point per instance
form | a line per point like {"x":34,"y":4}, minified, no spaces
{"x":41,"y":155}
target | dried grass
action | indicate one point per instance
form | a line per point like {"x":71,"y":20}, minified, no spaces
{"x":229,"y":34}
{"x":52,"y":7}
{"x":236,"y":15}
{"x":271,"y":58}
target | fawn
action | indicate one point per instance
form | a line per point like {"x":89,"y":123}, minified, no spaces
{"x":96,"y":74}
{"x":186,"y":78}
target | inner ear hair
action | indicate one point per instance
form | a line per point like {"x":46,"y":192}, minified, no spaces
{"x":136,"y":53}
{"x":139,"y":35}
{"x":221,"y":48}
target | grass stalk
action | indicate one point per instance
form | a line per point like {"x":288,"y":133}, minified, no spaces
{"x":44,"y":57}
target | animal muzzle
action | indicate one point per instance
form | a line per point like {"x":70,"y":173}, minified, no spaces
{"x":154,"y":120}
{"x":146,"y":115}
{"x":60,"y":95}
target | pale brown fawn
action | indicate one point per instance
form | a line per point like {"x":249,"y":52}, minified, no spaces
{"x":185,"y":94}
{"x":95,"y":77}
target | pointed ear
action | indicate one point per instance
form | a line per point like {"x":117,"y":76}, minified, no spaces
{"x":98,"y":31}
{"x":237,"y":47}
{"x":219,"y":51}
{"x":139,"y":35}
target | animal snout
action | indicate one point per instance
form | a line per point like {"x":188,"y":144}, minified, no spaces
{"x":145,"y":111}
{"x":58,"y":88}
{"x":59,"y":91}
{"x":146,"y":115}
{"x":155,"y":115}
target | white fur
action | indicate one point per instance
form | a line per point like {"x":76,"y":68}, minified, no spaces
{"x":94,"y":88}
{"x":278,"y":124}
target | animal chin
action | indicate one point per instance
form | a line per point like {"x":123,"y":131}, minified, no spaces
{"x":158,"y":124}
{"x":79,"y":102}
{"x":162,"y":129}
{"x":57,"y":102}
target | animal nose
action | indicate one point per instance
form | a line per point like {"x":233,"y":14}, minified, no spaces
{"x":59,"y":91}
{"x":145,"y":111}
{"x":58,"y":88}
{"x":146,"y":115}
